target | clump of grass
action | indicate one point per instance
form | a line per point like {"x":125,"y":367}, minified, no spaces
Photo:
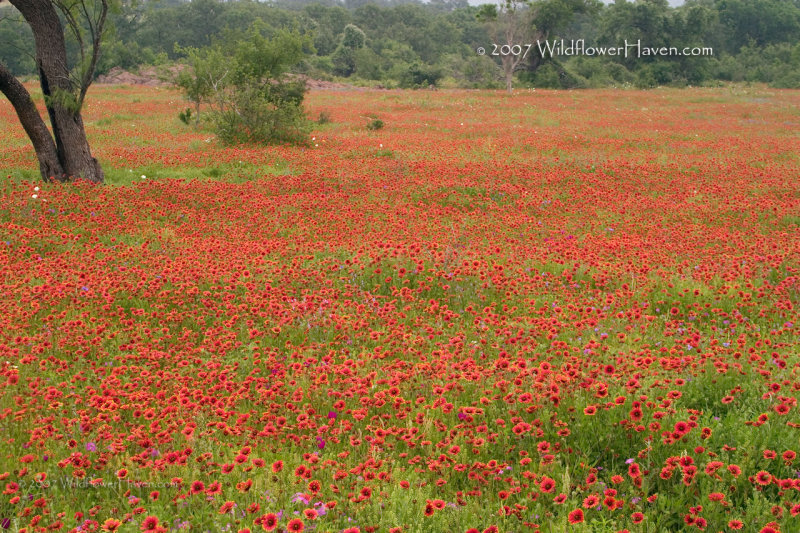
{"x":324,"y":118}
{"x":186,"y":115}
{"x":375,"y":124}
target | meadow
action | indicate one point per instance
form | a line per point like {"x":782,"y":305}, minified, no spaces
{"x":552,"y":311}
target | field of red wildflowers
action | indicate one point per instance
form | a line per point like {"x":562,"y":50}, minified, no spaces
{"x":557,"y":311}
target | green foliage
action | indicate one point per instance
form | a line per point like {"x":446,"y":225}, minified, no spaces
{"x":257,"y":57}
{"x":244,"y":82}
{"x":16,"y":39}
{"x":777,"y":64}
{"x":554,"y":75}
{"x":760,"y":21}
{"x":255,"y":117}
{"x":127,"y":56}
{"x":185,"y":116}
{"x":65,"y":99}
{"x":206,"y":77}
{"x":487,"y":12}
{"x":353,"y":37}
{"x":420,"y":75}
{"x":375,"y":124}
{"x":402,"y":44}
{"x":344,"y":61}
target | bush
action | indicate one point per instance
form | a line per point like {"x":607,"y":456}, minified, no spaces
{"x":127,"y":56}
{"x":420,"y":75}
{"x":546,"y":77}
{"x":251,"y":118}
{"x":324,"y":118}
{"x":375,"y":124}
{"x":245,"y":83}
{"x":186,"y":115}
{"x":599,"y":72}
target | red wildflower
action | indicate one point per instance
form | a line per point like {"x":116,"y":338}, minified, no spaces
{"x":576,"y":516}
{"x":269,"y":521}
{"x":763,"y":478}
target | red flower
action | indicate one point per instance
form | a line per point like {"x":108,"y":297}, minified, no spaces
{"x":547,"y":484}
{"x":269,"y":521}
{"x":576,"y":516}
{"x":149,"y":523}
{"x":111,"y":525}
{"x":295,"y":525}
{"x":763,"y":478}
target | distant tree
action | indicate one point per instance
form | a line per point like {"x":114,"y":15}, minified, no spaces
{"x":759,"y":21}
{"x":208,"y":72}
{"x":64,"y":154}
{"x":549,"y":17}
{"x":16,"y":42}
{"x":508,"y":25}
{"x":344,"y":58}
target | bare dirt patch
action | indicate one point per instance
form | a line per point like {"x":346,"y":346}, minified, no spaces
{"x":147,"y":76}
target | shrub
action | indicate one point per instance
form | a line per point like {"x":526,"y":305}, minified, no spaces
{"x":186,"y":115}
{"x":244,"y":82}
{"x":420,"y":75}
{"x":251,"y":118}
{"x":324,"y":118}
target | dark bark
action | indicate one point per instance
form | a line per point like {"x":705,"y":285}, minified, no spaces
{"x":58,"y":87}
{"x":49,"y":164}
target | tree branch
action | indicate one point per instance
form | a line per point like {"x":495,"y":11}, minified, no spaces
{"x":73,"y":25}
{"x":97,"y":35}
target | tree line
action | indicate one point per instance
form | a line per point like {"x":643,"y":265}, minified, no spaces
{"x":405,"y":44}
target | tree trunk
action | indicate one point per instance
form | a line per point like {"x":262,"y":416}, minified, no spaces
{"x":59,"y":90}
{"x":509,"y":66}
{"x":49,"y":164}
